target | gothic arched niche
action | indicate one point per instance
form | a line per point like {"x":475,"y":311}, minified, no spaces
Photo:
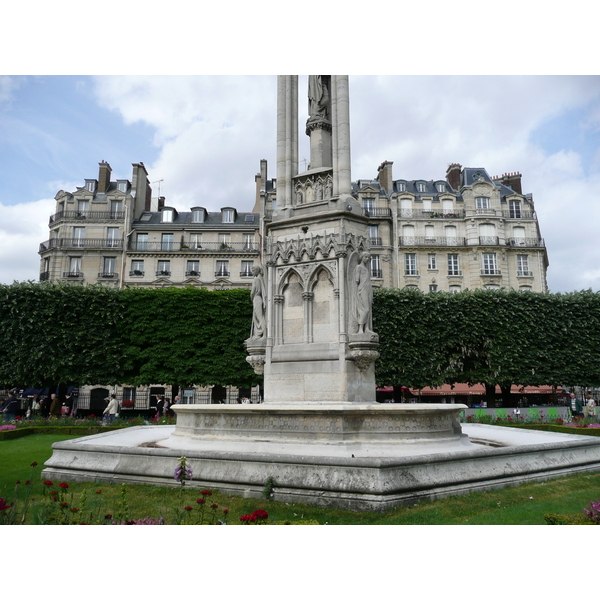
{"x":324,"y":321}
{"x":293,"y":310}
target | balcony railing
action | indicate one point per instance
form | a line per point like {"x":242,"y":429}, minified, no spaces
{"x":163,"y":273}
{"x":375,"y":241}
{"x":490,"y":212}
{"x":83,"y":243}
{"x":525,"y":242}
{"x":108,"y":275}
{"x":138,"y":246}
{"x":73,"y":275}
{"x":518,"y":214}
{"x":454,"y":273}
{"x":411,"y":273}
{"x":377,"y":212}
{"x":418,"y":240}
{"x":376,"y":274}
{"x":524,"y":273}
{"x":192,"y":273}
{"x":491,"y":272}
{"x":136,"y":273}
{"x":45,"y":276}
{"x":87,"y":215}
{"x":419,"y":213}
{"x":222,"y":273}
{"x":488,"y":240}
{"x":246,"y":274}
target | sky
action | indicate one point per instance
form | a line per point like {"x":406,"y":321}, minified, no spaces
{"x":202,"y":137}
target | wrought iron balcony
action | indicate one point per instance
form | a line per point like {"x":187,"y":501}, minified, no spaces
{"x":488,"y":212}
{"x":525,"y":242}
{"x":163,"y":273}
{"x":246,"y":274}
{"x":491,"y":272}
{"x":73,"y":275}
{"x":524,"y":273}
{"x":87,"y":215}
{"x":454,"y":273}
{"x":418,"y":240}
{"x":411,"y":273}
{"x":222,"y":273}
{"x":488,"y":240}
{"x":239,"y":247}
{"x":419,"y":213}
{"x":192,"y":273}
{"x":136,"y":273}
{"x":377,"y":213}
{"x":83,"y":243}
{"x":518,"y":214}
{"x":108,"y":275}
{"x":375,"y":241}
{"x":376,"y":274}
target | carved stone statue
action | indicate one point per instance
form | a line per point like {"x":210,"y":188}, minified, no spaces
{"x":363,"y":294}
{"x":318,"y":97}
{"x":259,"y":303}
{"x":328,"y":188}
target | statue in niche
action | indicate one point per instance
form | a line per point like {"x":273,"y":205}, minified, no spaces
{"x":259,"y":303}
{"x":363,"y":294}
{"x":318,"y":97}
{"x":299,"y":197}
{"x":318,"y":191}
{"x":328,"y":188}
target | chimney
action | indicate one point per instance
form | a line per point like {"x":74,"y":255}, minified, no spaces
{"x":104,"y":177}
{"x":384,"y":176}
{"x":141,"y":186}
{"x":161,"y":202}
{"x":512,"y":180}
{"x":453,"y":173}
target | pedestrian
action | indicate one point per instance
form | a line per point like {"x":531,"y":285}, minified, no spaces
{"x":11,"y":407}
{"x":160,"y":406}
{"x":590,"y":407}
{"x":55,"y":405}
{"x":112,"y":409}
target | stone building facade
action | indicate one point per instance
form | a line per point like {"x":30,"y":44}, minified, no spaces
{"x":466,"y":231}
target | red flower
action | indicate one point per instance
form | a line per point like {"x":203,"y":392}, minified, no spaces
{"x":28,"y":482}
{"x":48,"y":483}
{"x":245,"y":518}
{"x":107,"y":517}
{"x":53,"y":492}
{"x":201,"y":501}
{"x":206,"y":493}
{"x":64,"y":504}
{"x":74,"y":509}
{"x":33,"y":464}
{"x":260,"y":514}
{"x":214,"y":506}
{"x":98,"y":491}
{"x":188,"y":508}
{"x":3,"y":505}
{"x":225,"y":511}
{"x":63,"y":485}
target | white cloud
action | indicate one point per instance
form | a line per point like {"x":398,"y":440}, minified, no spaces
{"x":22,"y":228}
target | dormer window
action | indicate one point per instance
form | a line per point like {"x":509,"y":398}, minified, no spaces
{"x":167,"y":215}
{"x":228,"y":215}
{"x":90,"y":185}
{"x":401,"y":186}
{"x":122,"y":186}
{"x":421,"y":187}
{"x":197,"y":215}
{"x":441,"y":186}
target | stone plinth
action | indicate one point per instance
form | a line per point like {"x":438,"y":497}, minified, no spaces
{"x":321,"y":423}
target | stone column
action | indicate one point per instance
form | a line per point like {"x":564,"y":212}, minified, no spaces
{"x":340,"y":105}
{"x":308,"y":316}
{"x":287,"y":137}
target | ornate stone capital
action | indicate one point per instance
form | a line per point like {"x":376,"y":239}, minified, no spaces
{"x":318,"y":123}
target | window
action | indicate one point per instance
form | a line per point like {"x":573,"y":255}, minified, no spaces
{"x":249,"y":218}
{"x":75,"y":265}
{"x":113,"y":237}
{"x":432,"y":262}
{"x":197,"y":215}
{"x":368,"y":204}
{"x":489,"y":264}
{"x":410,"y":264}
{"x":482,"y":203}
{"x":247,"y":268}
{"x":523,"y":265}
{"x":401,"y":186}
{"x":421,"y":187}
{"x":167,"y":241}
{"x":90,"y":185}
{"x":447,"y":207}
{"x":164,"y":267}
{"x":78,"y":236}
{"x":108,"y":268}
{"x":405,"y":208}
{"x":122,"y":186}
{"x":228,"y":215}
{"x":374,"y":235}
{"x":196,"y":241}
{"x":429,"y":233}
{"x":248,"y":241}
{"x":137,"y":268}
{"x":142,"y":241}
{"x":519,"y":236}
{"x":450,"y":233}
{"x":454,"y":289}
{"x":83,"y":206}
{"x":453,"y":265}
{"x":224,"y":241}
{"x":441,"y":186}
{"x":514,"y":209}
{"x":193,"y":268}
{"x":222,"y":268}
{"x":187,"y":396}
{"x":115,"y":209}
{"x":426,"y":204}
{"x":376,"y":272}
{"x":166,"y":215}
{"x":408,"y":234}
{"x":487,"y":234}
{"x":433,"y":287}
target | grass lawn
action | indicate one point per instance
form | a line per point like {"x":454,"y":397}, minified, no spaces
{"x":525,"y":504}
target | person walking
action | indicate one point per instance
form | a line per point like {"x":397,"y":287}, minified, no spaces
{"x":55,"y":406}
{"x":589,"y":410}
{"x":112,"y":409}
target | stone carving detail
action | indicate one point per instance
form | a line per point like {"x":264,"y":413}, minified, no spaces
{"x":257,"y":362}
{"x":363,"y":357}
{"x":362,"y":296}
{"x":259,"y":303}
{"x":313,"y":189}
{"x":318,"y":96}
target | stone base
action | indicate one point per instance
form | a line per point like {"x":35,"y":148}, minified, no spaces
{"x":351,"y":473}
